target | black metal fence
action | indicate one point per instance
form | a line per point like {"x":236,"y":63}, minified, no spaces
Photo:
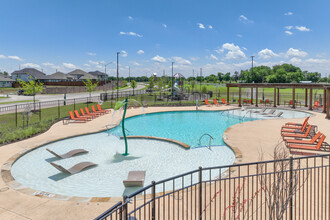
{"x":294,"y":188}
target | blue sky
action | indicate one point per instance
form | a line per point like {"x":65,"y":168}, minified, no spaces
{"x":214,"y":35}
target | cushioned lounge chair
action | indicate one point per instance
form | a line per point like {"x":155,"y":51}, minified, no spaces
{"x":92,"y":113}
{"x":94,"y":110}
{"x":305,"y":135}
{"x":68,"y":154}
{"x":300,"y":129}
{"x":207,"y":102}
{"x":105,"y":110}
{"x":79,"y":116}
{"x":309,"y":141}
{"x":293,"y":125}
{"x":86,"y":114}
{"x":75,"y":169}
{"x":224,"y":101}
{"x":215,"y":102}
{"x":135,"y":178}
{"x":72,"y":117}
{"x":308,"y":146}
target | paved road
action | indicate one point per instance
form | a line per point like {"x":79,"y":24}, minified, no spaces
{"x":43,"y":98}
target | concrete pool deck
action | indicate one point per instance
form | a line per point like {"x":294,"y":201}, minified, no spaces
{"x":250,"y":138}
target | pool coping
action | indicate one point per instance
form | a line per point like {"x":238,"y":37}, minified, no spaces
{"x":11,"y":182}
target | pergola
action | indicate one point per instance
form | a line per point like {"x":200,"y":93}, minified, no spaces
{"x":278,"y":86}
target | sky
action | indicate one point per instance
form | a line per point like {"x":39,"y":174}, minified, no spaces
{"x":217,"y":36}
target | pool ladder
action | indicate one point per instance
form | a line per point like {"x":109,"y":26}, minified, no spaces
{"x":211,"y":138}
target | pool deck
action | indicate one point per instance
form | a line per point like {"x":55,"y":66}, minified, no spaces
{"x":249,"y":140}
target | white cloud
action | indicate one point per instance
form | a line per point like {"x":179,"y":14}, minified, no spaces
{"x":15,"y":58}
{"x":213,"y":57}
{"x":239,"y":35}
{"x":266,"y":54}
{"x":136,"y":63}
{"x":288,"y":13}
{"x":140,"y":52}
{"x":288,"y":27}
{"x":165,"y":25}
{"x":181,"y":60}
{"x":3,"y":56}
{"x":244,"y":19}
{"x":130,"y":17}
{"x":201,"y":26}
{"x":30,"y":65}
{"x":210,"y":27}
{"x":194,"y":58}
{"x":302,"y":28}
{"x":48,"y":64}
{"x":86,"y":64}
{"x":295,"y":53}
{"x":234,"y":52}
{"x":91,"y":54}
{"x":123,"y":53}
{"x":130,"y":33}
{"x":69,"y":66}
{"x":159,"y":59}
{"x":288,"y":32}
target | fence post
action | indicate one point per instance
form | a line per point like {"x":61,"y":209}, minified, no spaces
{"x":291,"y":188}
{"x":153,"y":211}
{"x":16,"y":115}
{"x":74,"y":104}
{"x":124,"y":211}
{"x":58,"y":109}
{"x":200,"y":193}
{"x":39,"y":111}
{"x":87,"y":102}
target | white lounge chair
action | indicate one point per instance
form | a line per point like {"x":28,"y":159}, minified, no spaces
{"x":135,"y":178}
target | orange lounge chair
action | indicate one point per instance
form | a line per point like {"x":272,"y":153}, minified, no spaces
{"x":310,"y":141}
{"x":294,"y":129}
{"x":317,"y":105}
{"x":293,"y":124}
{"x":207,"y":102}
{"x":92,"y":113}
{"x":215,"y":102}
{"x":106,"y":110}
{"x":78,"y":116}
{"x":83,"y":114}
{"x":224,"y":101}
{"x":305,"y":135}
{"x":309,"y":147}
{"x":76,"y":119}
{"x":93,"y":109}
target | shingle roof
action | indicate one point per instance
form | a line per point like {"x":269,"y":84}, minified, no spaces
{"x":83,"y":74}
{"x":31,"y":71}
{"x":60,"y":75}
{"x":97,"y":73}
{"x":5,"y":79}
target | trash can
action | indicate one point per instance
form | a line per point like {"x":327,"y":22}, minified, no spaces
{"x":104,"y":96}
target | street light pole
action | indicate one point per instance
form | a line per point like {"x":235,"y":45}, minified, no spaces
{"x":105,"y":79}
{"x":117,"y":74}
{"x":172,"y":80}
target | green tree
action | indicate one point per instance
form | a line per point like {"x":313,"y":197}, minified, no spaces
{"x":133,"y":85}
{"x":90,"y":86}
{"x":314,"y":77}
{"x":160,"y":83}
{"x":31,"y":87}
{"x":192,"y":84}
{"x":124,"y":83}
{"x":204,"y":89}
{"x":226,"y":77}
{"x":220,"y":76}
{"x":151,"y":84}
{"x":211,"y":78}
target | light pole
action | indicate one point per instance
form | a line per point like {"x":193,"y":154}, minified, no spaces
{"x":252,"y":69}
{"x":117,"y":74}
{"x":172,"y":80}
{"x":105,"y":79}
{"x":200,"y":81}
{"x":129,"y":74}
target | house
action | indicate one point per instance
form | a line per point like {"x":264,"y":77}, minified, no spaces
{"x":27,"y":73}
{"x":178,"y":76}
{"x":60,"y":77}
{"x":5,"y":81}
{"x":80,"y":75}
{"x":99,"y":75}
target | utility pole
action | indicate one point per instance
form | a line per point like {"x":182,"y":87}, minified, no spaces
{"x":117,"y":74}
{"x":252,"y":69}
{"x":129,"y":74}
{"x":200,"y":81}
{"x":172,"y":80}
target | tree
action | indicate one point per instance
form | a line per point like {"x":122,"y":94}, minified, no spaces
{"x":160,"y":84}
{"x":90,"y":86}
{"x":192,"y":84}
{"x":124,"y":83}
{"x":211,"y":78}
{"x":31,"y":87}
{"x":151,"y":84}
{"x":220,"y":75}
{"x":133,"y":85}
{"x":226,"y":77}
{"x":314,"y":77}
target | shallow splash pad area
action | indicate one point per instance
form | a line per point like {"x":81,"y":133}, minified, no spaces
{"x":160,"y":159}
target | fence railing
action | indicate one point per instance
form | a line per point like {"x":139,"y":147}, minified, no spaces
{"x":293,"y":188}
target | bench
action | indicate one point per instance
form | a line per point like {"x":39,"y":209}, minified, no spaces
{"x":135,"y":178}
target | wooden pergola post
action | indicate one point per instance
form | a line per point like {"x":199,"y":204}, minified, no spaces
{"x":306,"y":94}
{"x":293,"y":98}
{"x":328,"y":103}
{"x":228,"y":95}
{"x":325,"y":101}
{"x":256,"y":96}
{"x":278,"y":96}
{"x":310,"y":99}
{"x":274,"y":96}
{"x":239,"y":96}
{"x":251,"y":95}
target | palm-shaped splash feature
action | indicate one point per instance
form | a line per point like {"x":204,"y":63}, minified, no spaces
{"x":119,"y":105}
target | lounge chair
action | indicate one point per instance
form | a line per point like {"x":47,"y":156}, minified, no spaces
{"x":310,"y":141}
{"x":292,"y":124}
{"x":100,"y":109}
{"x":215,"y":102}
{"x":92,"y":113}
{"x":72,"y":117}
{"x":275,"y":116}
{"x":135,"y":178}
{"x":308,"y":146}
{"x":78,"y":116}
{"x":207,"y":102}
{"x":145,"y":104}
{"x":136,"y":105}
{"x":224,"y":101}
{"x":260,"y":111}
{"x":289,"y":129}
{"x":317,"y":105}
{"x":86,"y":114}
{"x":68,"y":154}
{"x":75,"y":169}
{"x":268,"y":113}
{"x":93,"y":109}
{"x":305,"y":135}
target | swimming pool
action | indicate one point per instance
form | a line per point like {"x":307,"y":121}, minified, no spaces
{"x":160,"y":159}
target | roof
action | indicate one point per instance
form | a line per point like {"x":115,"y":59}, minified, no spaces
{"x":5,"y":79}
{"x":97,"y":73}
{"x":31,"y":71}
{"x":178,"y":75}
{"x":60,"y":75}
{"x":80,"y":74}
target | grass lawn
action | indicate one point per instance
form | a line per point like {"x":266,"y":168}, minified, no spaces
{"x":1,"y":103}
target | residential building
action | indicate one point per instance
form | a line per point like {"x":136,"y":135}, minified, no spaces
{"x":27,"y":73}
{"x":99,"y":75}
{"x":81,"y":75}
{"x":6,"y":81}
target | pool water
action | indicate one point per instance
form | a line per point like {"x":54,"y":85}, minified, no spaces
{"x":160,"y":159}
